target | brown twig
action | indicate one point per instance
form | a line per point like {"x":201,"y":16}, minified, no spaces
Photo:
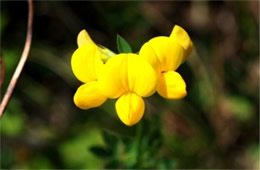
{"x":21,"y":63}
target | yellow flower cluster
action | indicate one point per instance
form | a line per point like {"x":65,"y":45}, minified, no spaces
{"x":130,"y":77}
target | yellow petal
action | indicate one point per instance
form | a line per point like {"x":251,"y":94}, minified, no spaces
{"x":86,"y":63}
{"x":171,"y":85}
{"x":127,"y":73}
{"x":182,"y":37}
{"x":148,"y":53}
{"x":84,"y":38}
{"x":169,"y":52}
{"x":130,"y":108}
{"x":88,"y":96}
{"x":110,"y":79}
{"x":142,"y":78}
{"x":188,"y":51}
{"x":106,"y":53}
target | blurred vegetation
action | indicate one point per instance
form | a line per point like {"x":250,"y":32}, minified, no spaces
{"x":215,"y":126}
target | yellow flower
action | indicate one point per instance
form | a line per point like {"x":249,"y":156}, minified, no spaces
{"x":129,"y":78}
{"x":166,"y":54}
{"x":87,"y":63}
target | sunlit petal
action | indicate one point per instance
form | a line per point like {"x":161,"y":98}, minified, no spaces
{"x":148,"y":53}
{"x":142,"y":78}
{"x":171,"y":85}
{"x":84,"y":38}
{"x":86,"y":63}
{"x":182,"y":37}
{"x":88,"y":96}
{"x":130,"y":108}
{"x":127,"y":73}
{"x":169,"y":52}
{"x":113,"y":80}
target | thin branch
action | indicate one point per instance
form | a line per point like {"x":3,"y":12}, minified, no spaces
{"x":21,"y":63}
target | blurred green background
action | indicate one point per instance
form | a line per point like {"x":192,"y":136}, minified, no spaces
{"x":215,"y":126}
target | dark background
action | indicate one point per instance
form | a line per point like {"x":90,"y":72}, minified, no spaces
{"x":215,"y":126}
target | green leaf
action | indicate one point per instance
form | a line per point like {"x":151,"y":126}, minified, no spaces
{"x":101,"y":151}
{"x":122,"y":45}
{"x":110,"y":139}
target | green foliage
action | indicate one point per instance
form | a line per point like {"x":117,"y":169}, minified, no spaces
{"x":122,"y":45}
{"x":137,"y":152}
{"x":240,"y":107}
{"x":75,"y":151}
{"x":100,"y":151}
{"x":8,"y":159}
{"x":14,"y":120}
{"x":40,"y":162}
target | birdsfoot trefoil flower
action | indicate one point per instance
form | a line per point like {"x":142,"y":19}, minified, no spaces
{"x":129,"y":77}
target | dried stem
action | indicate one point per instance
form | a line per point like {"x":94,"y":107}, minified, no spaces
{"x":21,"y":63}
